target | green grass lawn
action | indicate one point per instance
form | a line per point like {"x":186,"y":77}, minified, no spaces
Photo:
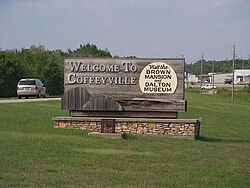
{"x":34,"y":154}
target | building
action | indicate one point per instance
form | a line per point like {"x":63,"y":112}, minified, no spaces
{"x":191,"y":78}
{"x":220,"y":78}
{"x":241,"y":76}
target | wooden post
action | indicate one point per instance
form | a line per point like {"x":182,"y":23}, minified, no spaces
{"x":232,"y":97}
{"x":213,"y":75}
{"x":202,"y":57}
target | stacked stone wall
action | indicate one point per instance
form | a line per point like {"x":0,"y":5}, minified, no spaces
{"x":179,"y":128}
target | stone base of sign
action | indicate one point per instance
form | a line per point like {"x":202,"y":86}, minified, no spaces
{"x":174,"y":128}
{"x":107,"y":135}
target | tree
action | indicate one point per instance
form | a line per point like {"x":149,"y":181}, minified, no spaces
{"x":224,"y":66}
{"x":10,"y":73}
{"x":37,"y":62}
{"x":90,"y":50}
{"x":53,"y":79}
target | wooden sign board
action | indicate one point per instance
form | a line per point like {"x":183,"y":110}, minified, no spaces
{"x":124,"y":85}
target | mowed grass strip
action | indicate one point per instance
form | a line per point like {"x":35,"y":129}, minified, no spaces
{"x":34,"y":154}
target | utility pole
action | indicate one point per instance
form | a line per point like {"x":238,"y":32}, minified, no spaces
{"x":248,"y":59}
{"x":202,"y":57}
{"x":232,"y":98}
{"x":242,"y":67}
{"x":213,"y":75}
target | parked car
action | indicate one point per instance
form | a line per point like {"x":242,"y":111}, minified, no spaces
{"x":208,"y":86}
{"x":30,"y":87}
{"x":228,"y":81}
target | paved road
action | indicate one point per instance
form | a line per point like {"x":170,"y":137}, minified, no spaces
{"x":28,"y":100}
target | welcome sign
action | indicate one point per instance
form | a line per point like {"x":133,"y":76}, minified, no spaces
{"x":125,"y":85}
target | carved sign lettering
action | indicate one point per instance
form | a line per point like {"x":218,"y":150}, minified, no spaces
{"x":135,"y":84}
{"x":158,"y":77}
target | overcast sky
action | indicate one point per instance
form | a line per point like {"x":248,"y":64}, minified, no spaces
{"x":144,"y":28}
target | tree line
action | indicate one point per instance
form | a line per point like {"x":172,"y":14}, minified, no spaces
{"x":224,"y":66}
{"x":38,"y":62}
{"x":48,"y":66}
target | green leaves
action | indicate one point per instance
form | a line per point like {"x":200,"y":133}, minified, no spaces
{"x":89,"y":50}
{"x":38,"y":62}
{"x":224,"y":66}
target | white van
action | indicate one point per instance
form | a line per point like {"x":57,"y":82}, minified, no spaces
{"x":30,"y":87}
